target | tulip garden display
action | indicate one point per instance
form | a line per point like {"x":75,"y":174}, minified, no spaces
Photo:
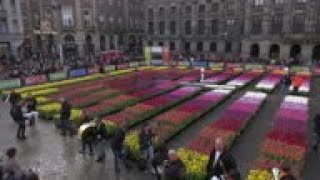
{"x":287,"y":141}
{"x":195,"y":154}
{"x":270,"y":82}
{"x":244,"y":79}
{"x":171,"y":122}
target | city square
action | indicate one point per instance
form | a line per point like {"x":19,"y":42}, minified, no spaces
{"x":165,"y":90}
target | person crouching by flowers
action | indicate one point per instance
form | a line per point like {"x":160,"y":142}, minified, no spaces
{"x":221,"y":163}
{"x":316,"y":132}
{"x":159,"y":158}
{"x":285,"y":173}
{"x":87,"y":138}
{"x":174,"y":168}
{"x":145,"y":142}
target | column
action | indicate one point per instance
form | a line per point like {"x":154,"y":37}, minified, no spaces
{"x":306,"y":53}
{"x":264,"y":49}
{"x":284,"y":51}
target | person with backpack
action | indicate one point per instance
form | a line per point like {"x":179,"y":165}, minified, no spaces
{"x":17,"y":115}
{"x":65,"y":114}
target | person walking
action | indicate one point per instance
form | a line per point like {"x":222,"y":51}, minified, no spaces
{"x":101,"y":137}
{"x":117,"y":148}
{"x":221,"y":162}
{"x":65,"y":116}
{"x":14,"y":97}
{"x":173,"y":169}
{"x":17,"y":114}
{"x":146,"y":148}
{"x":32,"y":113}
{"x":12,"y":168}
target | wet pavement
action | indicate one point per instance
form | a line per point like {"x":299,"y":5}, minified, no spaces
{"x":57,"y":158}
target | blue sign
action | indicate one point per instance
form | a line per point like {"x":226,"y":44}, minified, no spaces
{"x":200,"y":63}
{"x":78,"y":72}
{"x":156,"y":62}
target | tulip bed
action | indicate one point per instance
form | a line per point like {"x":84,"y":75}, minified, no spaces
{"x":270,"y":82}
{"x":228,"y":126}
{"x":304,"y":89}
{"x":221,"y":77}
{"x":287,"y":141}
{"x":244,"y":79}
{"x":145,"y":110}
{"x":170,"y":123}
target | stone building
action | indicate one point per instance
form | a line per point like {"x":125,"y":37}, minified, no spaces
{"x":236,"y":28}
{"x":279,"y":29}
{"x":11,"y":27}
{"x":81,"y":27}
{"x":196,"y":26}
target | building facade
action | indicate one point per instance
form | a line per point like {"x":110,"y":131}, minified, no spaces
{"x":261,"y":29}
{"x":281,"y":29}
{"x":11,"y":27}
{"x":81,"y":27}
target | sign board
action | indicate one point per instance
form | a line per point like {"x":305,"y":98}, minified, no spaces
{"x":253,"y":67}
{"x":37,"y":79}
{"x":184,"y":63}
{"x":166,"y":56}
{"x":122,"y":66}
{"x":200,"y":64}
{"x":9,"y":84}
{"x":77,"y":72}
{"x":216,"y":66}
{"x":142,"y":63}
{"x":234,"y":65}
{"x":58,"y":76}
{"x":275,"y":67}
{"x":147,"y":55}
{"x":93,"y":70}
{"x":134,"y":64}
{"x":109,"y":68}
{"x":156,"y":62}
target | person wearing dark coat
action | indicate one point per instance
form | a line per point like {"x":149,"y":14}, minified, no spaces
{"x":18,"y":117}
{"x":174,"y":168}
{"x":316,"y":132}
{"x":221,"y":162}
{"x":159,"y":158}
{"x":87,"y":139}
{"x":117,"y":148}
{"x":285,"y":173}
{"x":65,"y":116}
{"x":145,"y":142}
{"x":101,"y":137}
{"x":14,"y":98}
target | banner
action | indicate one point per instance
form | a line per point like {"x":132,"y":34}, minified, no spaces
{"x":234,"y":65}
{"x":275,"y":67}
{"x":200,"y":64}
{"x":58,"y":76}
{"x":147,"y":55}
{"x":184,"y":63}
{"x":254,"y":67}
{"x":295,"y":69}
{"x":134,"y":64}
{"x":216,"y":66}
{"x":156,"y":62}
{"x":142,"y":63}
{"x":37,"y":79}
{"x":122,"y":66}
{"x":77,"y":72}
{"x":166,"y":56}
{"x":9,"y":84}
{"x":93,"y":70}
{"x":109,"y":68}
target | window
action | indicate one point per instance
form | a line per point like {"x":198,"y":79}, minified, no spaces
{"x":172,"y":46}
{"x":13,"y":5}
{"x":298,"y":23}
{"x":201,"y":27}
{"x":161,"y":11}
{"x":228,"y":47}
{"x":87,"y":19}
{"x":150,"y":13}
{"x":15,"y":25}
{"x":230,"y":6}
{"x":213,"y":47}
{"x":150,"y":28}
{"x":258,"y":2}
{"x":3,"y":26}
{"x":214,"y":27}
{"x":67,"y":16}
{"x":1,"y":5}
{"x":278,"y":1}
{"x":162,"y":27}
{"x":187,"y":27}
{"x":301,"y":1}
{"x":102,"y":43}
{"x":200,"y":46}
{"x":173,"y":28}
{"x":160,"y":43}
{"x":256,"y":26}
{"x":187,"y":46}
{"x":188,"y":10}
{"x":215,"y":7}
{"x":277,"y":23}
{"x":201,"y":8}
{"x":173,"y":10}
